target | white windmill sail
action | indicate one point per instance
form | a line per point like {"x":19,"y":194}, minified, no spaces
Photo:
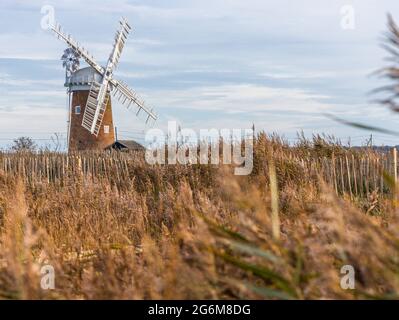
{"x":77,"y":48}
{"x":128,"y":98}
{"x":96,"y":106}
{"x":98,"y":95}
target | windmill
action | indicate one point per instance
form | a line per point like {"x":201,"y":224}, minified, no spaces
{"x":91,"y":124}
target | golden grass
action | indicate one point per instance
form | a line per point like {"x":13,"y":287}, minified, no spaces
{"x":196,"y":232}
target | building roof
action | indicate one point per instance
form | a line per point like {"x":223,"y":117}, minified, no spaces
{"x":82,"y":79}
{"x":127,"y":145}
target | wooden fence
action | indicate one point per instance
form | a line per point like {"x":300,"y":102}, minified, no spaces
{"x":356,"y":174}
{"x":61,"y":167}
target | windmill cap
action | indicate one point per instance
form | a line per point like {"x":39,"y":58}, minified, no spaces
{"x":82,"y":79}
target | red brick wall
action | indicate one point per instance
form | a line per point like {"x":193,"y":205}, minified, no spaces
{"x":79,"y":137}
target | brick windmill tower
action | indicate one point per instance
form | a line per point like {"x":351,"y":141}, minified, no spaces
{"x":90,"y":109}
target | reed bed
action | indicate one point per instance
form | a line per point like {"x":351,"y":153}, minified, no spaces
{"x":115,"y":227}
{"x":357,"y":172}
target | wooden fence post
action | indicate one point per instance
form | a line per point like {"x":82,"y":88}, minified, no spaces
{"x":395,"y":164}
{"x":334,"y":174}
{"x":354,"y":175}
{"x":349,"y":176}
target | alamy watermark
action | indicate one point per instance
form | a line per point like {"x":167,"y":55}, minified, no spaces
{"x":212,"y":146}
{"x":348,"y":17}
{"x":48,"y":19}
{"x":348,"y":277}
{"x":47,"y":281}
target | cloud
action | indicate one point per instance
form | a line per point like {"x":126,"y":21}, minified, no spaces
{"x":282,"y":63}
{"x":32,"y":121}
{"x":242,"y":98}
{"x":8,"y":80}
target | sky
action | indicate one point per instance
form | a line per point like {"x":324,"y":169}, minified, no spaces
{"x":224,"y":64}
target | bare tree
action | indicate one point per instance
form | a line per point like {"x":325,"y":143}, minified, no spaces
{"x":56,"y":140}
{"x":24,"y":144}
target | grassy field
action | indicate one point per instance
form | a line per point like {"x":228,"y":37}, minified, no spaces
{"x":114,"y":227}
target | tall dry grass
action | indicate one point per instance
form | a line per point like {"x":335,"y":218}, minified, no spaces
{"x":196,"y":232}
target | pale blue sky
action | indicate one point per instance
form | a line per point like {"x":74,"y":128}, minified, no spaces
{"x":207,"y":64}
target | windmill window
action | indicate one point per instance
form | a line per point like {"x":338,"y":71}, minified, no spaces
{"x":77,"y":109}
{"x":106,"y":129}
